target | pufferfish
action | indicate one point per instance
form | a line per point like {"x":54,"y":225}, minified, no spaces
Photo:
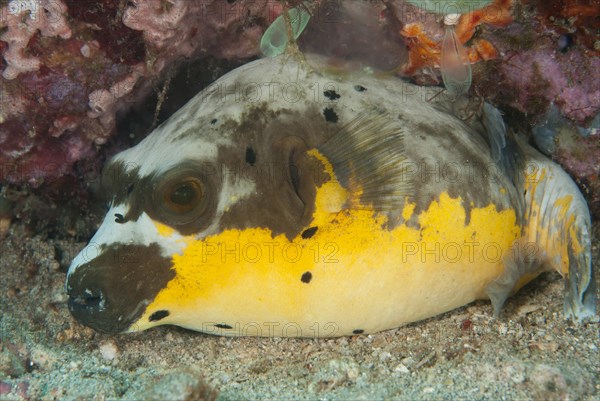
{"x":296,"y":200}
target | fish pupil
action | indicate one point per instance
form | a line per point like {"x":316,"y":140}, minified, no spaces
{"x":184,"y":194}
{"x":250,"y":156}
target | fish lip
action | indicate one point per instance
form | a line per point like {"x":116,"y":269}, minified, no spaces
{"x":101,"y":322}
{"x":85,"y":296}
{"x":86,"y":302}
{"x":110,"y":292}
{"x":92,"y":308}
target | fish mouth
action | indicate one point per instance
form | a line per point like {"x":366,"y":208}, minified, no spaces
{"x":86,"y":303}
{"x":111,"y":292}
{"x":94,"y":309}
{"x":91,"y":308}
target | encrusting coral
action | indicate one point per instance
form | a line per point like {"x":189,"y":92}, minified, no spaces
{"x":425,"y":51}
{"x":22,"y":20}
{"x":69,"y":68}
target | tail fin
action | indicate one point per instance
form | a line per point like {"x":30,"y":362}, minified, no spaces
{"x":556,"y":219}
{"x":580,"y":286}
{"x":558,"y":230}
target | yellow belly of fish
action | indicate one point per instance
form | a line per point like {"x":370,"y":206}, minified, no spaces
{"x":353,"y":275}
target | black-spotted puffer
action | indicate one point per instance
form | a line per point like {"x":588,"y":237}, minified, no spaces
{"x":288,"y":200}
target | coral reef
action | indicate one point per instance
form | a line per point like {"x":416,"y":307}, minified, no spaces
{"x":580,"y":157}
{"x":577,"y":149}
{"x":23,"y":18}
{"x":543,"y":52}
{"x":542,"y":64}
{"x":69,"y":68}
{"x":577,"y":19}
{"x":544,"y":75}
{"x":537,"y":54}
{"x":424,"y":51}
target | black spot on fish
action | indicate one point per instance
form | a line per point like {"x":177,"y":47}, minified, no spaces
{"x":158,"y":315}
{"x":330,"y":115}
{"x":223,"y":326}
{"x":306,"y":277}
{"x":129,"y":189}
{"x":331,"y":95}
{"x":358,"y":331}
{"x":359,"y":88}
{"x":250,"y":156}
{"x":309,"y":232}
{"x":119,"y":218}
{"x":213,"y":121}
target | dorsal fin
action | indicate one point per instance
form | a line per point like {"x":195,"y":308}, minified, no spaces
{"x":487,"y":121}
{"x":503,"y":147}
{"x":496,"y":130}
{"x":367,"y":155}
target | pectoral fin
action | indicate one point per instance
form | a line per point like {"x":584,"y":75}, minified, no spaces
{"x":368,"y":158}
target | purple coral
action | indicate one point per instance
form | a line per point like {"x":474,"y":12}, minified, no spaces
{"x":569,"y":80}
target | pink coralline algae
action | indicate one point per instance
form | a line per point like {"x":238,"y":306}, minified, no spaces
{"x":580,"y":157}
{"x":227,"y":29}
{"x":44,"y":127}
{"x":537,"y":70}
{"x":23,"y":19}
{"x":69,"y":67}
{"x":569,"y":80}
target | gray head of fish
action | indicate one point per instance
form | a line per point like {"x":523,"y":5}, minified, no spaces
{"x":220,"y":162}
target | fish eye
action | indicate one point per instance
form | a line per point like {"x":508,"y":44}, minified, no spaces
{"x":184,"y":195}
{"x":181,"y":198}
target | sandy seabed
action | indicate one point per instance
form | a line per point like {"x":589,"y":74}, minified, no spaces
{"x":529,"y":353}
